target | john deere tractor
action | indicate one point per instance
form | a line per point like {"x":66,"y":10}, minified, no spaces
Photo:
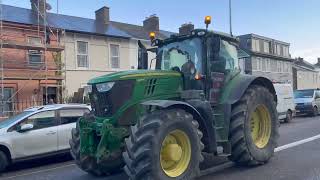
{"x":157,"y":124}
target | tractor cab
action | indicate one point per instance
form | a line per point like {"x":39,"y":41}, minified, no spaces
{"x":204,"y":58}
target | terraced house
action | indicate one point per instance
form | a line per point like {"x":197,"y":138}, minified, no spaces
{"x":268,"y":57}
{"x":30,"y":67}
{"x":90,"y":47}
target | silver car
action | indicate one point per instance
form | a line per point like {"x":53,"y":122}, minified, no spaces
{"x":307,"y":101}
{"x":38,"y":132}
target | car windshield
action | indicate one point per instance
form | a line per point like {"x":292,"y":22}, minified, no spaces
{"x":181,"y":55}
{"x":7,"y":122}
{"x":304,"y":94}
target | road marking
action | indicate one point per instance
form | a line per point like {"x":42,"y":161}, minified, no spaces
{"x":203,"y":173}
{"x":278,"y":149}
{"x":36,"y":172}
{"x":297,"y":143}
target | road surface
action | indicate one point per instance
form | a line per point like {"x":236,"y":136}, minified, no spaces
{"x":296,"y":158}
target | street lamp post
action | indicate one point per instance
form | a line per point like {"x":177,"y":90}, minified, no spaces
{"x":230,"y":17}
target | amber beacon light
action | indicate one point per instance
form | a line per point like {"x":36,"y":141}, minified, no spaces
{"x":152,"y":35}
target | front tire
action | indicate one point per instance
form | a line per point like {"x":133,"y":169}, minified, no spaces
{"x":164,"y":145}
{"x":254,"y":127}
{"x":88,"y":163}
{"x":4,"y":162}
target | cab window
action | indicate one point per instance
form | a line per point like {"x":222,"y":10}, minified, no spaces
{"x":68,"y":116}
{"x":229,"y":54}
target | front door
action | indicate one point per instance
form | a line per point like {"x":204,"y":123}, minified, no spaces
{"x":41,"y":139}
{"x":50,"y":95}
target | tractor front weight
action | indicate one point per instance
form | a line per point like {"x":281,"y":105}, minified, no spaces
{"x":100,"y":140}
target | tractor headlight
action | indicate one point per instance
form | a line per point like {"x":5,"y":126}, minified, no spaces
{"x":104,"y":87}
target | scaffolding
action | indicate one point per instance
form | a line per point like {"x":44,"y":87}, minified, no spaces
{"x":45,"y":71}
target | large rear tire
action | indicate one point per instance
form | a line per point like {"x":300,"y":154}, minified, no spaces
{"x":164,"y":145}
{"x":254,"y":127}
{"x":88,"y":163}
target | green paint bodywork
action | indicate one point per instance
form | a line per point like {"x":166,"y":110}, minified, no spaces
{"x":102,"y":136}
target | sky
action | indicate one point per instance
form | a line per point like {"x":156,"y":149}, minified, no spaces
{"x":293,"y":21}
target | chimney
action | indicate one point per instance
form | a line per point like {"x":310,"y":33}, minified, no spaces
{"x":186,"y":28}
{"x":151,"y":23}
{"x":103,"y":15}
{"x":43,"y":6}
{"x":300,"y":59}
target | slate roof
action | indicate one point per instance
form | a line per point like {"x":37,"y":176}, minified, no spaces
{"x":304,"y":64}
{"x":139,"y":32}
{"x":78,"y":24}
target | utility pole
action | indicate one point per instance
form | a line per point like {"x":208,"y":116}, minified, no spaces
{"x":230,"y":16}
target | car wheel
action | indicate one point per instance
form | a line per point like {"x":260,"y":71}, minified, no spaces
{"x":288,"y":117}
{"x":315,"y":111}
{"x":3,"y":161}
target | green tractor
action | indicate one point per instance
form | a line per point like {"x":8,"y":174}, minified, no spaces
{"x":158,"y":124}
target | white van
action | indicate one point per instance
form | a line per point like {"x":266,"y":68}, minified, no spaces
{"x":286,"y":106}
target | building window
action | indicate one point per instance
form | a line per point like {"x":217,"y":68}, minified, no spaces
{"x":115,"y":56}
{"x":259,"y":64}
{"x":35,"y":57}
{"x":254,"y":63}
{"x":263,"y":65}
{"x":255,"y":45}
{"x":278,"y":49}
{"x":249,"y":44}
{"x":268,"y":65}
{"x":266,"y":47}
{"x":286,"y":51}
{"x":82,"y":54}
{"x":33,"y":40}
{"x":7,"y":101}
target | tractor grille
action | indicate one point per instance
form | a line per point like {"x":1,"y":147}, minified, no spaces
{"x":150,"y":87}
{"x":105,"y":104}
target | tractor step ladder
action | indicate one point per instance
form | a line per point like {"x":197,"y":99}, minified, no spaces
{"x":223,"y":145}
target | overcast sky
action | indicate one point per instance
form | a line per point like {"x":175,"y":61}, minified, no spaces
{"x":293,"y":21}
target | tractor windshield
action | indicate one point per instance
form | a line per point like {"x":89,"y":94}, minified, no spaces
{"x":184,"y":56}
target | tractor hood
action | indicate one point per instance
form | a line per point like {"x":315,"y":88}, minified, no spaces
{"x":134,"y":74}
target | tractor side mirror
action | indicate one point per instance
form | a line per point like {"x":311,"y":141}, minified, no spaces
{"x":142,"y":56}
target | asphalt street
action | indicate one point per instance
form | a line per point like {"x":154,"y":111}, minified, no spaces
{"x":297,"y":158}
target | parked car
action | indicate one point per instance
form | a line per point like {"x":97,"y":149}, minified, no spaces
{"x":285,"y":106}
{"x":38,"y":132}
{"x":307,"y":101}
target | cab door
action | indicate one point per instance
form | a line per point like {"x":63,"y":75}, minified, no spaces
{"x":42,"y":139}
{"x":67,"y":121}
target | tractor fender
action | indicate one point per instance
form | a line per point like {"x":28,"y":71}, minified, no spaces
{"x":237,"y":87}
{"x":200,"y":110}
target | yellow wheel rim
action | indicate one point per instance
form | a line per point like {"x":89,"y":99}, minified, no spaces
{"x":261,"y":126}
{"x":175,"y":154}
